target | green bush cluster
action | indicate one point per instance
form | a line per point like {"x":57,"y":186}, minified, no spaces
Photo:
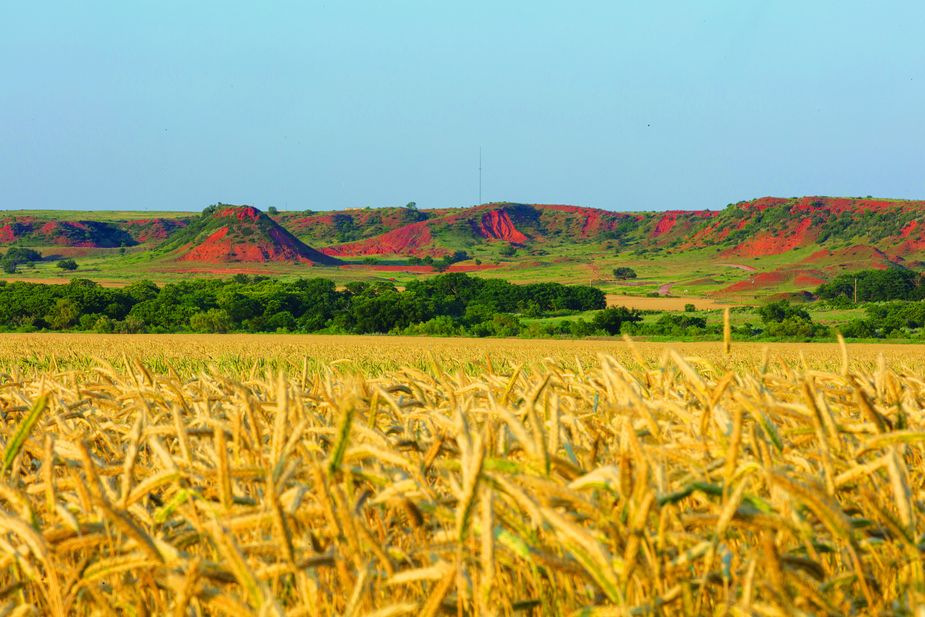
{"x":445,"y":304}
{"x":874,"y":286}
{"x":16,"y":256}
{"x":897,"y":319}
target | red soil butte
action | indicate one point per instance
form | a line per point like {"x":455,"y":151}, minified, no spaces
{"x":494,"y":221}
{"x":416,"y":239}
{"x":913,"y":239}
{"x":678,"y":221}
{"x":152,"y":230}
{"x":370,"y":222}
{"x":712,"y":233}
{"x":67,"y":233}
{"x":765,"y":244}
{"x":14,"y":230}
{"x":82,"y":234}
{"x":497,"y":225}
{"x":912,"y":245}
{"x":592,"y":221}
{"x":242,"y":213}
{"x":413,"y":239}
{"x":665,"y":224}
{"x":248,"y":235}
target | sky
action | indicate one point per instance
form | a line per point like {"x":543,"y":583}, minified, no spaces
{"x":652,"y":105}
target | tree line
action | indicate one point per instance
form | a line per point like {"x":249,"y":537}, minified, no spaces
{"x":454,"y":303}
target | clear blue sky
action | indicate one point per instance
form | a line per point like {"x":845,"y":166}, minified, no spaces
{"x":619,"y":105}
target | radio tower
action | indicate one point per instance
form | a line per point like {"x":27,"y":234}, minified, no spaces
{"x":480,"y":175}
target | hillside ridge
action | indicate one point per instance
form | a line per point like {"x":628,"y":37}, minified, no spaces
{"x":794,"y":242}
{"x":234,"y":234}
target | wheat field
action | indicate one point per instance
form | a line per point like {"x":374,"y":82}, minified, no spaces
{"x":366,"y":476}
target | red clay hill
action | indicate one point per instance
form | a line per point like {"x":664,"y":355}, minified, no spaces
{"x":840,"y":230}
{"x":34,"y":231}
{"x":773,"y":225}
{"x":523,"y":225}
{"x":234,"y":234}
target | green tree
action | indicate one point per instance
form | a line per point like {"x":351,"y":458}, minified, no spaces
{"x":623,"y":273}
{"x":875,"y":285}
{"x":213,"y":320}
{"x":776,"y":312}
{"x":67,"y":264}
{"x":22,"y":255}
{"x":64,"y":314}
{"x":611,"y":319}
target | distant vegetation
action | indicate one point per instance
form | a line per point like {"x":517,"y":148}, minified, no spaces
{"x":17,"y":256}
{"x":815,"y":239}
{"x":452,"y":304}
{"x":875,"y":286}
{"x":623,"y":273}
{"x":448,"y":304}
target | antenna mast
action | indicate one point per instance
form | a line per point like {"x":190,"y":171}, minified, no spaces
{"x":480,"y":175}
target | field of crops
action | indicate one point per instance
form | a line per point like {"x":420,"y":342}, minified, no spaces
{"x":194,"y":475}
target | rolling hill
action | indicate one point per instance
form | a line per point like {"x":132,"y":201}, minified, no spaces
{"x":529,"y":226}
{"x":33,"y":231}
{"x":749,"y":248}
{"x":235,"y":234}
{"x":759,"y":228}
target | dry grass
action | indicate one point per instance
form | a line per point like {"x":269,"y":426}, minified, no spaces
{"x":252,"y":354}
{"x":664,"y":303}
{"x":637,"y":484}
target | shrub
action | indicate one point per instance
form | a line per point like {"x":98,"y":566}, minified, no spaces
{"x":213,"y":320}
{"x":623,"y":273}
{"x":64,"y":314}
{"x":611,"y":320}
{"x":776,"y":312}
{"x":795,"y":327}
{"x":22,"y":255}
{"x":875,"y":285}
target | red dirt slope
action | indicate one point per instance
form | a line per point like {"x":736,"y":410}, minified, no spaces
{"x":245,"y":234}
{"x":799,"y":277}
{"x":146,"y":231}
{"x":413,"y":239}
{"x":859,"y":256}
{"x":497,"y":225}
{"x":32,"y":231}
{"x":798,"y":234}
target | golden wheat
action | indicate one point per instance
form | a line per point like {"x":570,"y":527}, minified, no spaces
{"x":220,"y":476}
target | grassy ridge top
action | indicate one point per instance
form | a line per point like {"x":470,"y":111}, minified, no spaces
{"x":774,"y":245}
